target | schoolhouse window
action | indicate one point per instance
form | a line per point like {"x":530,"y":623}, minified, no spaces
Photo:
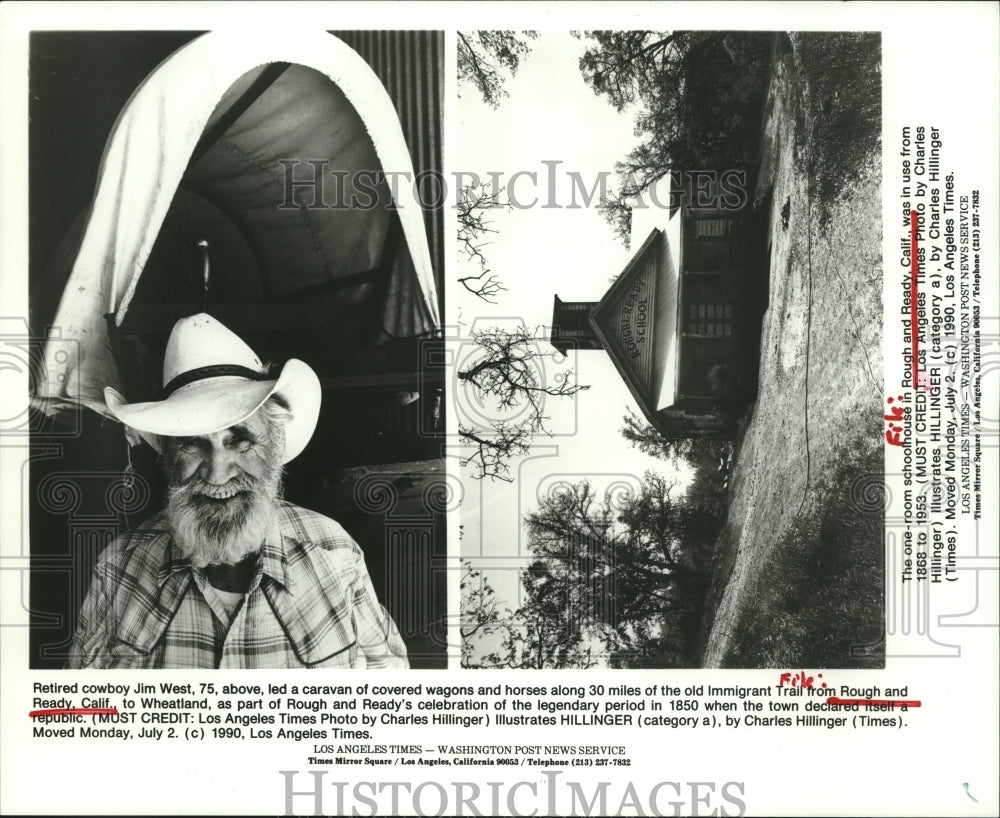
{"x":712,"y":320}
{"x":710,"y":228}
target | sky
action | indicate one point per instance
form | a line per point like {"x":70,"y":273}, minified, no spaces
{"x":550,"y":115}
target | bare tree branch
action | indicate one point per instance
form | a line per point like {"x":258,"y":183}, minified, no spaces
{"x":473,"y":225}
{"x":510,"y":372}
{"x":493,"y":449}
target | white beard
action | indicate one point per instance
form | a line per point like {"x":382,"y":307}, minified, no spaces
{"x":213,"y":532}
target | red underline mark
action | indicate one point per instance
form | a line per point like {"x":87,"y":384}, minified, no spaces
{"x":75,"y":711}
{"x":914,"y":270}
{"x":880,"y":702}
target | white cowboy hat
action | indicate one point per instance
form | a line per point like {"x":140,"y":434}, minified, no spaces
{"x":212,"y":380}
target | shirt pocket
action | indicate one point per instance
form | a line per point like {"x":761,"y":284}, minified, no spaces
{"x":121,"y":655}
{"x":344,"y":657}
{"x":320,"y":633}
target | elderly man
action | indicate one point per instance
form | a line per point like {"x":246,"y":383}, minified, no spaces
{"x":229,"y":575}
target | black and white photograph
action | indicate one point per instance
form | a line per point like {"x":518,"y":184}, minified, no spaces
{"x":613,"y":383}
{"x":236,"y":310}
{"x":674,"y":416}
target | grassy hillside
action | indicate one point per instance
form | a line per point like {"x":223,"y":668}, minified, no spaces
{"x":799,"y":569}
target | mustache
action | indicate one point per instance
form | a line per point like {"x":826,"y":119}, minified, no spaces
{"x":197,"y":488}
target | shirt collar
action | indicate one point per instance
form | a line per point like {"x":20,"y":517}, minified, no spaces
{"x":174,"y":562}
{"x":273,"y":555}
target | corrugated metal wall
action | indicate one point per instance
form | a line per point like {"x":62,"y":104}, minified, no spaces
{"x":411,"y":65}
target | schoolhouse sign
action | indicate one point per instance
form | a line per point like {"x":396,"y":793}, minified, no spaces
{"x":625,"y":318}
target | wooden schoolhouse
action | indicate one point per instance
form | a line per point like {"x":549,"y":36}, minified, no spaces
{"x":682,"y":321}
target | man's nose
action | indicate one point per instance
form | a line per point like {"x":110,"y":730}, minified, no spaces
{"x":219,"y":466}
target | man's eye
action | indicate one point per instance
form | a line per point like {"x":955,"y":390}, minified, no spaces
{"x":189,"y":444}
{"x":241,"y":444}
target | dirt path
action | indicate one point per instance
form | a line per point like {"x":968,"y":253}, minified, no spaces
{"x":819,"y":405}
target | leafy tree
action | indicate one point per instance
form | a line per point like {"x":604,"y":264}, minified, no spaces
{"x":573,"y":536}
{"x":481,"y":616}
{"x":660,"y":642}
{"x":699,"y":96}
{"x":537,"y":635}
{"x":710,"y":461}
{"x":648,"y":440}
{"x":487,"y":58}
{"x":627,"y":583}
{"x":509,"y":374}
{"x":547,"y":633}
{"x":622,"y":575}
{"x":624,"y":65}
{"x":666,"y":536}
{"x":708,"y":458}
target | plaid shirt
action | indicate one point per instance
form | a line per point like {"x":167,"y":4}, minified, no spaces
{"x":310,"y":604}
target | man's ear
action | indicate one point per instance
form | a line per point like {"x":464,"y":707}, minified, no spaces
{"x":132,"y":436}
